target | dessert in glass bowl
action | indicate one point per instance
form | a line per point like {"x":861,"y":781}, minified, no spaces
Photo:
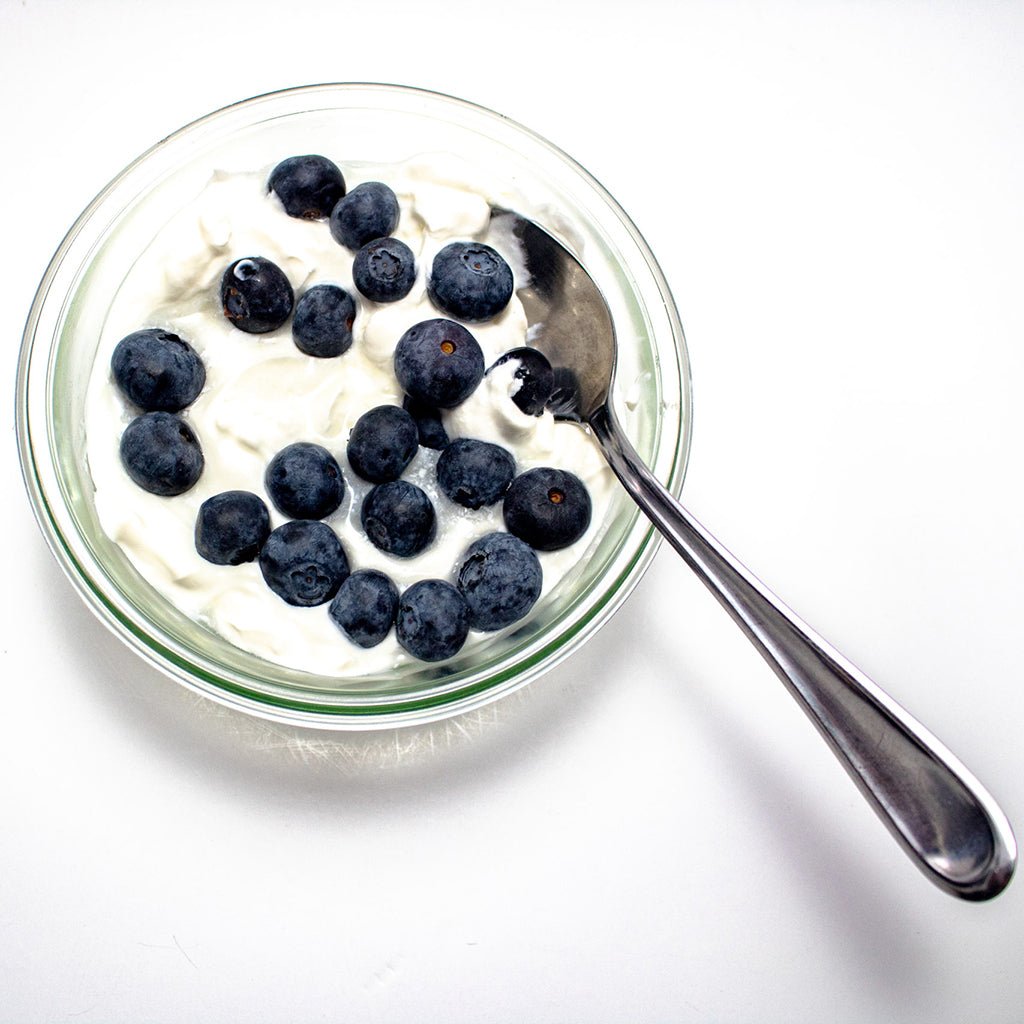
{"x":159,"y":252}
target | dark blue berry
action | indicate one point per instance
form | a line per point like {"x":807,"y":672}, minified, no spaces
{"x":157,"y":371}
{"x":501,"y":579}
{"x":369,"y":211}
{"x":256,"y":295}
{"x":433,"y":620}
{"x":304,"y":481}
{"x":470,"y":281}
{"x":399,"y":518}
{"x":535,"y":376}
{"x":322,"y":325}
{"x":364,"y":607}
{"x":475,"y":473}
{"x":309,"y":187}
{"x":384,"y":270}
{"x":232,"y":527}
{"x":439,"y":362}
{"x":382,"y":443}
{"x":428,"y":422}
{"x":548,"y":508}
{"x":303,"y":562}
{"x":565,"y":400}
{"x":161,"y":453}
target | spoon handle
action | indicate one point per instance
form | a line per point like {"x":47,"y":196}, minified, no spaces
{"x":941,"y":815}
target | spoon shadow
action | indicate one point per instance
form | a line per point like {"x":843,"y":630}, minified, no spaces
{"x":858,"y":902}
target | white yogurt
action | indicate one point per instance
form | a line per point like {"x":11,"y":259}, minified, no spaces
{"x":262,"y":394}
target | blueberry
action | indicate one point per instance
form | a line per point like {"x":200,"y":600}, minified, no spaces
{"x":501,"y":579}
{"x":303,"y":562}
{"x":364,"y":607}
{"x":309,"y":187}
{"x":439,"y":362}
{"x":256,"y":295}
{"x":548,"y":508}
{"x":470,"y":281}
{"x":399,"y":519}
{"x":433,"y":620}
{"x":161,"y":453}
{"x":231,"y":527}
{"x":428,"y":422}
{"x":565,"y":401}
{"x":535,"y":376}
{"x":382,"y":443}
{"x":157,"y":371}
{"x":304,"y":481}
{"x":369,"y":211}
{"x":475,"y":473}
{"x":384,"y":270}
{"x":322,"y":326}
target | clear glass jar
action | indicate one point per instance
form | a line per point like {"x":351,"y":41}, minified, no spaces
{"x":376,"y":123}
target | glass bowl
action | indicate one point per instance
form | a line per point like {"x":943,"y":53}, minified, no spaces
{"x":377,"y":123}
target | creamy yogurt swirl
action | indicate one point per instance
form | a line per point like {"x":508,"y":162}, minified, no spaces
{"x":262,"y":394}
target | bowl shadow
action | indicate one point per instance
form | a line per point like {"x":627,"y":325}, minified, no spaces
{"x":265,"y":759}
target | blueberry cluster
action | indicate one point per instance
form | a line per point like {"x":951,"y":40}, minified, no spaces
{"x":161,"y":374}
{"x":438,"y":363}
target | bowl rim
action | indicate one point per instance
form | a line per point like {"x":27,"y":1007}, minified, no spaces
{"x":400,"y":710}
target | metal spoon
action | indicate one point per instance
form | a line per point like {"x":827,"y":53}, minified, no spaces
{"x":939,"y":813}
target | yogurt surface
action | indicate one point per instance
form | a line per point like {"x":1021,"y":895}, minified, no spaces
{"x":262,"y":394}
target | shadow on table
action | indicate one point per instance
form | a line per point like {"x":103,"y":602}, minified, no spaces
{"x":860,"y":902}
{"x":469,"y":749}
{"x":857,"y":901}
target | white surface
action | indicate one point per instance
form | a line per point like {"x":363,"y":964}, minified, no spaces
{"x":654,"y":833}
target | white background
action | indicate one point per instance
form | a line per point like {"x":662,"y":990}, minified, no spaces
{"x":654,"y":832}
